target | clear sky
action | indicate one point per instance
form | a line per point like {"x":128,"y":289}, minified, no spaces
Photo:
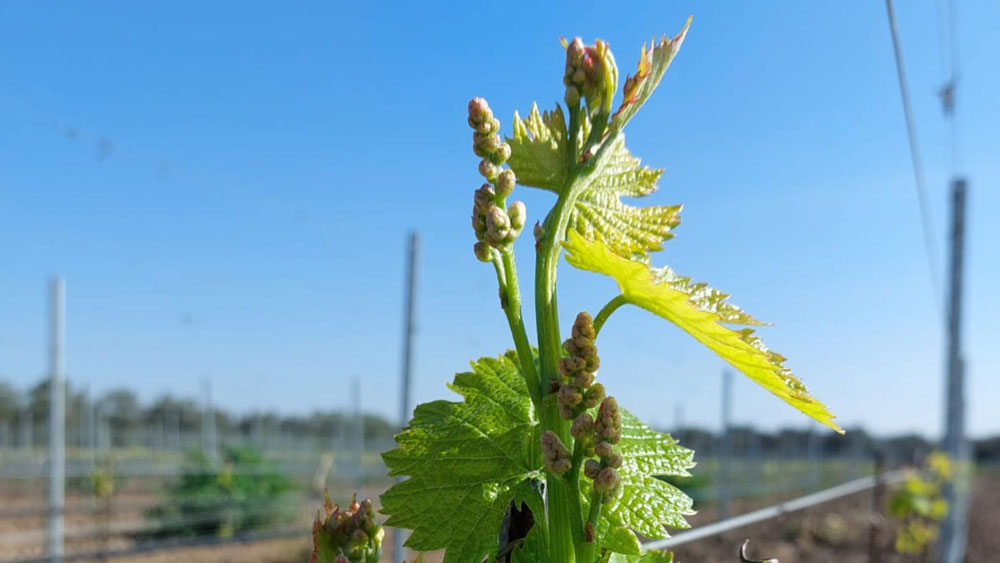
{"x":227,"y":188}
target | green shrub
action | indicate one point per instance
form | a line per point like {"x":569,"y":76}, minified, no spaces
{"x":238,"y":493}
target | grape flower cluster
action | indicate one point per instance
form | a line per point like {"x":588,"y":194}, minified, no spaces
{"x":495,"y":228}
{"x":577,"y":394}
{"x":347,"y":536}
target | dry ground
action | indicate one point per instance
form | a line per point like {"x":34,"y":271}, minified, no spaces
{"x":836,"y":532}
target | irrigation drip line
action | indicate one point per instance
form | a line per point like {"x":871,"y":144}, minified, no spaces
{"x":779,"y":509}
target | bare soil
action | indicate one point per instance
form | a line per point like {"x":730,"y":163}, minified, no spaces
{"x":836,"y":532}
{"x":839,"y":532}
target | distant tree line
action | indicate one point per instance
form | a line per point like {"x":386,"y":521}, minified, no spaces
{"x":856,"y":442}
{"x":126,"y":420}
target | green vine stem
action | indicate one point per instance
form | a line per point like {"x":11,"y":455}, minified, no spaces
{"x":512,"y":308}
{"x":592,"y":516}
{"x":557,"y":492}
{"x":575,"y":505}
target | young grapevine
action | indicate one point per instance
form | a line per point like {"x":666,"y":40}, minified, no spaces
{"x":537,"y":462}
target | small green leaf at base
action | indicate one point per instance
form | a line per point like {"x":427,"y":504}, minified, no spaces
{"x":646,"y":505}
{"x":539,"y":149}
{"x":465,"y":462}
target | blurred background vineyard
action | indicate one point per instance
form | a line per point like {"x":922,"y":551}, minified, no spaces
{"x":227,"y":190}
{"x":181,"y":474}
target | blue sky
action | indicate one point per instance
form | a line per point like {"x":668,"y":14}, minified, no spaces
{"x":254,"y":168}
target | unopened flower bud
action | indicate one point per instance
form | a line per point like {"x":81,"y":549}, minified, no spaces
{"x":488,"y":169}
{"x":584,"y":379}
{"x":606,"y":480}
{"x":518,"y":214}
{"x":571,"y":348}
{"x":489,"y":144}
{"x":483,"y":251}
{"x":485,"y":195}
{"x":615,"y":460}
{"x":505,"y":182}
{"x":582,"y":425}
{"x":353,"y":534}
{"x":572,"y":96}
{"x":479,"y":224}
{"x":591,"y":468}
{"x":479,"y":111}
{"x":570,"y":396}
{"x":555,"y":454}
{"x":487,"y":127}
{"x":593,"y":362}
{"x":502,"y":154}
{"x":574,"y":53}
{"x":608,"y":423}
{"x":604,"y":450}
{"x":584,"y":348}
{"x":569,"y":365}
{"x":609,"y":409}
{"x":497,"y":226}
{"x":583,"y":326}
{"x":593,"y":396}
{"x":566,"y":412}
{"x":592,"y":70}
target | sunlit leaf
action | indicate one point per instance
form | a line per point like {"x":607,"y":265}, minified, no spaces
{"x":599,"y":212}
{"x":740,"y":348}
{"x":653,"y":63}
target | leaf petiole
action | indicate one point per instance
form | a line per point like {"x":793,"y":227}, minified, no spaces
{"x":605,"y":312}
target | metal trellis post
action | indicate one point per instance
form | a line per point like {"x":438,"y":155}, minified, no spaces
{"x":57,"y":425}
{"x":954,"y":528}
{"x":408,"y":332}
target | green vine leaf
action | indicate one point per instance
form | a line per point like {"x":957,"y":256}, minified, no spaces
{"x":599,"y":213}
{"x":653,"y":291}
{"x":535,"y":546}
{"x":539,"y":150}
{"x":652,"y":65}
{"x":620,"y":539}
{"x":465,"y":461}
{"x":646,"y":505}
{"x":704,"y":297}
